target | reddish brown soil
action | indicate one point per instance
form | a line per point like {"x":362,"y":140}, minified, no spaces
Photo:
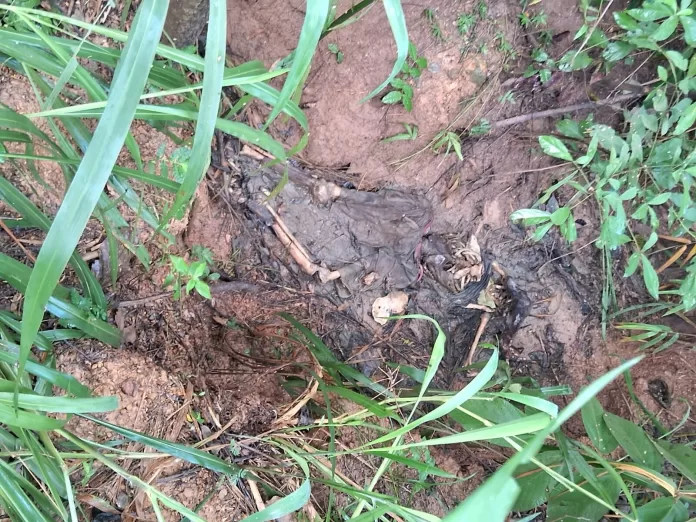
{"x":181,"y":362}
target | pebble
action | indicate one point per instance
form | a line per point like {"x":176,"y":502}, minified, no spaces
{"x":128,"y":387}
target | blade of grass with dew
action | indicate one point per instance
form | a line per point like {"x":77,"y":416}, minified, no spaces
{"x":95,"y":169}
{"x":208,"y":111}
{"x":397,"y":22}
{"x":189,"y":454}
{"x":493,"y":500}
{"x":316,"y":15}
{"x":19,"y":202}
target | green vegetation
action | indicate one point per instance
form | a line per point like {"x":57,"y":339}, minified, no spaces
{"x":333,"y":49}
{"x":642,"y":174}
{"x":411,"y":133}
{"x":435,"y":29}
{"x":640,"y":178}
{"x":403,"y":90}
{"x":195,"y":275}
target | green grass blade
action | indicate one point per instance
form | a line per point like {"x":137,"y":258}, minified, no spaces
{"x":95,"y":169}
{"x":15,"y":500}
{"x":498,"y":493}
{"x":62,"y":404}
{"x":289,"y":503}
{"x":19,"y":276}
{"x":210,"y":105}
{"x":61,"y":380}
{"x":187,"y":453}
{"x":457,"y":400}
{"x":397,"y":21}
{"x":315,"y":18}
{"x":13,"y":197}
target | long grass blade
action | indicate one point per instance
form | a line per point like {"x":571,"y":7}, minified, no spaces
{"x":95,"y":169}
{"x":210,"y":105}
{"x":397,"y":21}
{"x":314,"y":22}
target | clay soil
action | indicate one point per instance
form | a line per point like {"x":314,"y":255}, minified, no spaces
{"x":183,"y":373}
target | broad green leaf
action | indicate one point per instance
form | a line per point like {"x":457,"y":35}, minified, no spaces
{"x":689,"y":25}
{"x":392,"y":97}
{"x":631,"y":268}
{"x":554,"y":147}
{"x":686,"y":120}
{"x":682,"y":457}
{"x":95,"y":169}
{"x":560,"y":215}
{"x":535,"y":483}
{"x":574,"y":505}
{"x":599,"y":433}
{"x":664,"y":509}
{"x":677,"y":59}
{"x":665,"y":29}
{"x":652,"y":281}
{"x":634,"y":441}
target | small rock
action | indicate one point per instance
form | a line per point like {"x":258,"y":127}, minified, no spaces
{"x":122,"y":500}
{"x":129,"y":387}
{"x":189,"y":493}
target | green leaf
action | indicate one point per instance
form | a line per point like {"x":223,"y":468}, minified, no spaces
{"x":634,"y":441}
{"x":664,"y":509}
{"x":397,"y":22}
{"x":535,"y":483}
{"x":665,"y":29}
{"x":392,"y":97}
{"x":531,"y":216}
{"x":677,"y":59}
{"x":203,"y":289}
{"x":184,"y":452}
{"x":681,"y":457}
{"x":574,"y":505}
{"x":554,"y":147}
{"x":689,"y":26}
{"x":598,"y":431}
{"x":631,"y":267}
{"x":95,"y":168}
{"x":560,"y":215}
{"x":617,"y":50}
{"x":61,"y":404}
{"x":686,"y":120}
{"x":652,"y":282}
{"x":315,"y":18}
{"x":570,"y":129}
{"x":421,"y":467}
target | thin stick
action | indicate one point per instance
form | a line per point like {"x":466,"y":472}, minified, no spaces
{"x":19,"y":243}
{"x":562,"y":110}
{"x":256,"y":494}
{"x":485,"y":317}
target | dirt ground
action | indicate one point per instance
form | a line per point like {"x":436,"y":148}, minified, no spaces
{"x":184,"y":374}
